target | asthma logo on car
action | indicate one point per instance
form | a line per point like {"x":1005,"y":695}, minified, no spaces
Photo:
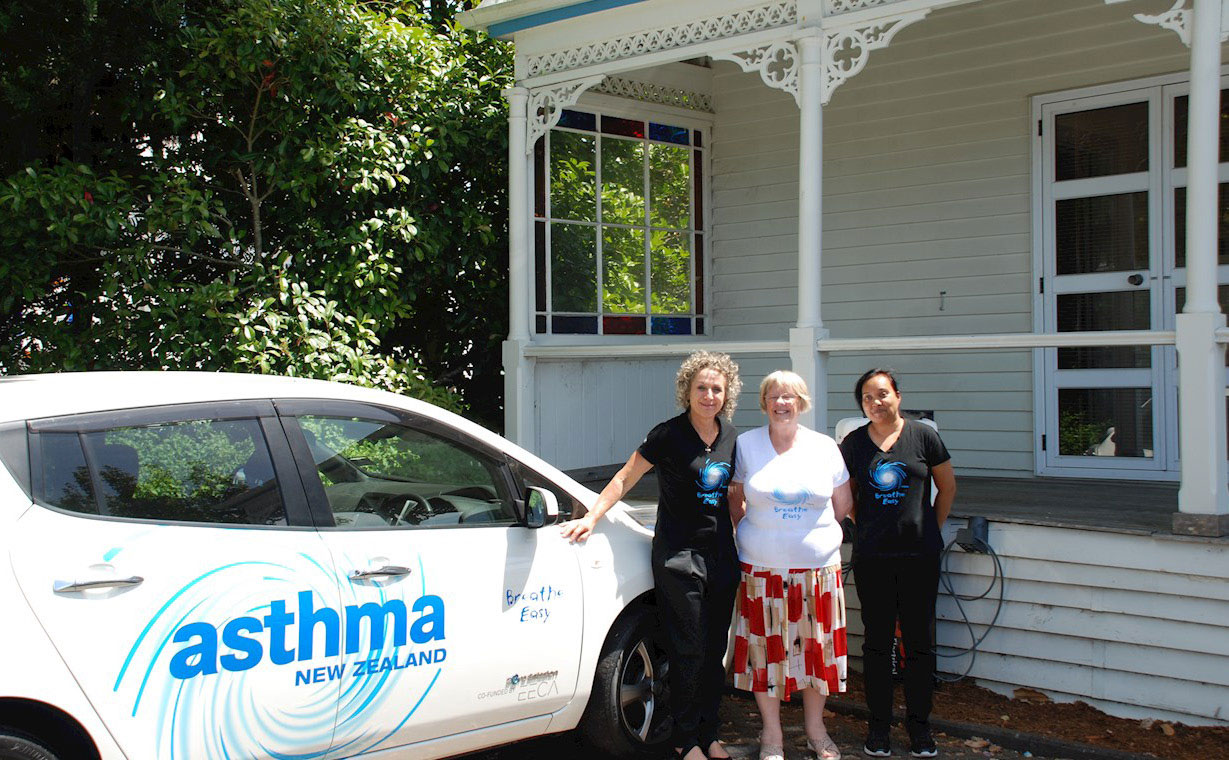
{"x":219,"y":646}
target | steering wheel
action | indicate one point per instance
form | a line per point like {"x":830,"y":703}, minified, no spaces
{"x":413,"y":500}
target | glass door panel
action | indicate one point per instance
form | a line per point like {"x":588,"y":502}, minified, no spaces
{"x":1102,"y":274}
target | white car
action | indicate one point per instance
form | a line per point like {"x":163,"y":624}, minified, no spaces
{"x":227,"y":566}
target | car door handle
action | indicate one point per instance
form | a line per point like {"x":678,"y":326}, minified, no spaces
{"x":387,"y":570}
{"x":67,"y":587}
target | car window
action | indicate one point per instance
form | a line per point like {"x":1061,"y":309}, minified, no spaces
{"x":378,"y":473}
{"x":569,"y":506}
{"x":208,"y":471}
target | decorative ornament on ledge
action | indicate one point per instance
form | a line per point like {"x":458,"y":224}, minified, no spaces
{"x":1178,"y":19}
{"x":546,"y":105}
{"x":846,"y":50}
{"x":647,"y":92}
{"x":837,"y":7}
{"x":777,"y":64}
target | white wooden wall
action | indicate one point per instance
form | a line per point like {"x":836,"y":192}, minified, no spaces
{"x":926,"y":189}
{"x":596,"y":412}
{"x":1136,"y":625}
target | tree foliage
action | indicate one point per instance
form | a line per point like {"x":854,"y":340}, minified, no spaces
{"x":306,"y":187}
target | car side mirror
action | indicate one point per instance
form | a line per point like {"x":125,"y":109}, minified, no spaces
{"x":541,"y":507}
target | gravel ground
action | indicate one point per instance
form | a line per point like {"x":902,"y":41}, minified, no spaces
{"x":742,"y":727}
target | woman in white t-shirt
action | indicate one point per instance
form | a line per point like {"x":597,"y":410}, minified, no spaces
{"x":789,"y":493}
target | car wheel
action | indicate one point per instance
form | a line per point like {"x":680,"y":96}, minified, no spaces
{"x":18,"y":747}
{"x":627,"y":715}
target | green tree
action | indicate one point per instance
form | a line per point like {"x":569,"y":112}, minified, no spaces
{"x":305,"y":187}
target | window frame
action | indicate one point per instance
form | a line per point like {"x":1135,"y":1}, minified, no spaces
{"x":294,"y":501}
{"x":605,"y":105}
{"x":289,"y":411}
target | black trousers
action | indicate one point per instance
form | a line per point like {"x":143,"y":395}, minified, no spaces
{"x":695,"y":591}
{"x":889,"y":588}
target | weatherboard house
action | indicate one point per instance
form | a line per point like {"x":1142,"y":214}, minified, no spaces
{"x":1013,"y":202}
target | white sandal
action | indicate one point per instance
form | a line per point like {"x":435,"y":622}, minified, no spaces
{"x":771,"y":752}
{"x":824,"y":748}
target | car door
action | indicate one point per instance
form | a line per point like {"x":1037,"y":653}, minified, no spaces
{"x":171,"y":559}
{"x":456,"y":616}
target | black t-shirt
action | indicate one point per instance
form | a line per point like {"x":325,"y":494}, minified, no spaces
{"x":895,"y":517}
{"x":692,"y":508}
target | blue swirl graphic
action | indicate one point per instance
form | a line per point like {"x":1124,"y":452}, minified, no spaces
{"x":888,"y":476}
{"x":225,"y":714}
{"x":792,"y":498}
{"x":713,"y":475}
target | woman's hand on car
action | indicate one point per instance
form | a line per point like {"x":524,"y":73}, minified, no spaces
{"x":578,"y":530}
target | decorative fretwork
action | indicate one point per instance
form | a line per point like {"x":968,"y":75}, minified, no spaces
{"x":846,"y":50}
{"x":837,"y":7}
{"x":769,"y":16}
{"x":546,"y":105}
{"x":776,"y":63}
{"x":1178,"y":20}
{"x":655,"y":93}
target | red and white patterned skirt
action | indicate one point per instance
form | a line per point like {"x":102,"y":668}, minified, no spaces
{"x":790,"y":630}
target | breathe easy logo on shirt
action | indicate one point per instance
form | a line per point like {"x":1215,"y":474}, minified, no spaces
{"x":888,"y":479}
{"x":713,"y":477}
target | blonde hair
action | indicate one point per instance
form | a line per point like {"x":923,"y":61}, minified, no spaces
{"x":702,"y":360}
{"x":790,"y":381}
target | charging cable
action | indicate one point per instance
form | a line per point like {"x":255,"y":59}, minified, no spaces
{"x":971,"y":539}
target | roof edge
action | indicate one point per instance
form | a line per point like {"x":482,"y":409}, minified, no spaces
{"x":505,"y":18}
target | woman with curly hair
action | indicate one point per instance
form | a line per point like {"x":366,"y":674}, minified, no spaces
{"x":695,"y":564}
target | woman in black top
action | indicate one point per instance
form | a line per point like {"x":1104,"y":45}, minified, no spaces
{"x":695,"y":564}
{"x":897,"y":545}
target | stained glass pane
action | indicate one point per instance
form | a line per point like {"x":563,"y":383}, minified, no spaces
{"x":670,"y":269}
{"x":574,"y":325}
{"x":671,"y":325}
{"x":539,"y":265}
{"x":669,"y":187}
{"x":695,"y":138}
{"x":1105,"y":422}
{"x":578,"y":120}
{"x":623,"y":325}
{"x":698,"y":187}
{"x":699,"y":285}
{"x":623,"y":182}
{"x":1222,"y":247}
{"x":666,"y":133}
{"x":623,"y":270}
{"x":573,"y":179}
{"x":573,"y":275}
{"x":539,"y":323}
{"x":539,"y":177}
{"x":1101,"y":142}
{"x":1120,"y":310}
{"x":612,"y":125}
{"x":1108,"y":233}
{"x":1181,"y":104}
{"x":699,"y":325}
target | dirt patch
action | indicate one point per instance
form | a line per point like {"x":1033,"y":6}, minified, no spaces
{"x":1032,"y":712}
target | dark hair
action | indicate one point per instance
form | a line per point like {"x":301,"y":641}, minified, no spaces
{"x":889,"y":374}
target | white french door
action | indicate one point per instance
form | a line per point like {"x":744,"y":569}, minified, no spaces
{"x":1112,"y":229}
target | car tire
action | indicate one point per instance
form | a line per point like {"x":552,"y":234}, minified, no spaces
{"x":19,"y":747}
{"x":627,"y":715}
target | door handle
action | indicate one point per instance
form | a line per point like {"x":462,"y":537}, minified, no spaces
{"x":1136,"y":279}
{"x":67,"y":587}
{"x":387,"y":570}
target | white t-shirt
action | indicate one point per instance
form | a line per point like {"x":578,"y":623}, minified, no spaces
{"x":790,"y":522}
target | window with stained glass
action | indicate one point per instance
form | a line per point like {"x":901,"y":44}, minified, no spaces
{"x":619,"y":227}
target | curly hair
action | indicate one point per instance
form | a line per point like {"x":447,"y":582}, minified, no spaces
{"x":701,"y":360}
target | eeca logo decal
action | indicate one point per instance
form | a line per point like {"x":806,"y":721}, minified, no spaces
{"x":245,"y":637}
